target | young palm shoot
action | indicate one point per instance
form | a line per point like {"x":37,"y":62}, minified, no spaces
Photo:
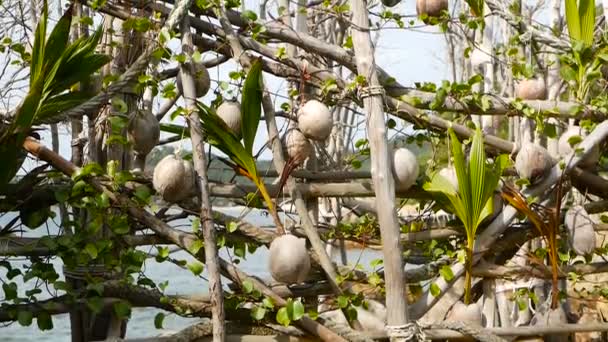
{"x":222,"y":137}
{"x":472,"y":201}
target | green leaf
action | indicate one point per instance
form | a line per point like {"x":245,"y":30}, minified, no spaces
{"x":573,"y":20}
{"x":587,"y":20}
{"x":252,"y":105}
{"x":58,"y":39}
{"x":91,"y":250}
{"x":44,"y":320}
{"x":343,"y":301}
{"x":122,"y":309}
{"x":283,"y":317}
{"x":297,"y":310}
{"x":196,"y":246}
{"x":24,"y":317}
{"x":258,"y":313}
{"x":446,"y":273}
{"x":247,"y":286}
{"x":10,"y":291}
{"x":158,"y":320}
{"x":435,"y":290}
{"x":195,"y":267}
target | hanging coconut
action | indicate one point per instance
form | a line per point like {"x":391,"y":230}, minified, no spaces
{"x":532,"y":89}
{"x":449,"y":173}
{"x":143,"y":133}
{"x":201,"y":78}
{"x":405,"y":168}
{"x":581,"y":235}
{"x":390,"y":3}
{"x":545,"y":316}
{"x":564,"y":148}
{"x":430,"y":8}
{"x":297,"y":146}
{"x":465,"y":313}
{"x":289,"y":259}
{"x":314,"y":120}
{"x":230,"y":112}
{"x":174,"y":178}
{"x":533,"y":162}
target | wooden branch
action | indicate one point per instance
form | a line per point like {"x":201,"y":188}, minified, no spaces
{"x":200,"y":166}
{"x":384,"y":185}
{"x":278,"y":159}
{"x":181,"y":239}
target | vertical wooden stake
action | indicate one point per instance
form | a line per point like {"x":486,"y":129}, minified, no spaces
{"x":382,"y":177}
{"x":200,"y":165}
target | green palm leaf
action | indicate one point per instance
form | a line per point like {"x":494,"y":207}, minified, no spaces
{"x":252,"y":104}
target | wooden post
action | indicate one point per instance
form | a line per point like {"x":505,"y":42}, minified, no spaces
{"x":200,"y":165}
{"x":384,"y":185}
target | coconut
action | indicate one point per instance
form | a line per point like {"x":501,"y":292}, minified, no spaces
{"x":390,"y":3}
{"x":230,"y":112}
{"x":432,"y":8}
{"x":405,"y":168}
{"x":296,"y":145}
{"x":314,"y":120}
{"x":532,"y":89}
{"x":545,"y":316}
{"x":174,"y":178}
{"x":533,"y":162}
{"x":201,"y":77}
{"x":449,"y":173}
{"x":289,"y":259}
{"x":143,"y":132}
{"x":564,"y":148}
{"x":471,"y":314}
{"x":581,"y":235}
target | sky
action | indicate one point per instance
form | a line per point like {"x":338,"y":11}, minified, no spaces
{"x":410,"y":55}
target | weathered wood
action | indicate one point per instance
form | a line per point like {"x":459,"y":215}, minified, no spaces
{"x":200,"y":165}
{"x":381,"y":166}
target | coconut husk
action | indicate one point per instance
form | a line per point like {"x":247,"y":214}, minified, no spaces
{"x":174,"y":179}
{"x":564,"y":148}
{"x":315,"y":120}
{"x":470,"y":314}
{"x":230,"y":112}
{"x":581,"y":232}
{"x":201,"y":79}
{"x":532,"y":89}
{"x":405,"y":168}
{"x":533,"y":162}
{"x":432,"y":8}
{"x":289,"y":259}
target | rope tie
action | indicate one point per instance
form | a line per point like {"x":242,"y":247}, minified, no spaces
{"x":407,"y":332}
{"x":371,"y":91}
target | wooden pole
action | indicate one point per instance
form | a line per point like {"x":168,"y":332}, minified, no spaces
{"x":200,"y":165}
{"x":384,"y":185}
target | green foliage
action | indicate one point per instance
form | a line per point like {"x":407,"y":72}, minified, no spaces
{"x":56,"y":66}
{"x":292,"y":311}
{"x":477,"y":180}
{"x":580,"y":17}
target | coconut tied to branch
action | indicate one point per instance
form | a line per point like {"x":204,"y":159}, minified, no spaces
{"x":201,"y":80}
{"x":143,"y":133}
{"x":564,"y":148}
{"x":314,"y":120}
{"x":471,"y":314}
{"x":297,"y":146}
{"x":405,"y":168}
{"x":289,"y":259}
{"x":230,"y":112}
{"x":581,"y":234}
{"x":430,"y":8}
{"x":174,"y":178}
{"x":532,"y":89}
{"x":533,"y":162}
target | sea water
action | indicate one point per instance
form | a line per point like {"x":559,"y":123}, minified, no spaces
{"x":181,"y":281}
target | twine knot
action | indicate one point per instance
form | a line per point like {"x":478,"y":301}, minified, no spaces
{"x":406,"y":332}
{"x":371,"y":91}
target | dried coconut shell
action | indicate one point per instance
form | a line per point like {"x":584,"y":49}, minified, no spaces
{"x":564,"y":148}
{"x":581,"y":232}
{"x":201,"y":79}
{"x":143,"y":133}
{"x":174,"y":179}
{"x":471,"y":314}
{"x":289,"y":259}
{"x":315,"y":120}
{"x":533,"y":162}
{"x":405,"y":168}
{"x":531,"y":89}
{"x":297,"y":145}
{"x":230,"y":112}
{"x":431,"y":8}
